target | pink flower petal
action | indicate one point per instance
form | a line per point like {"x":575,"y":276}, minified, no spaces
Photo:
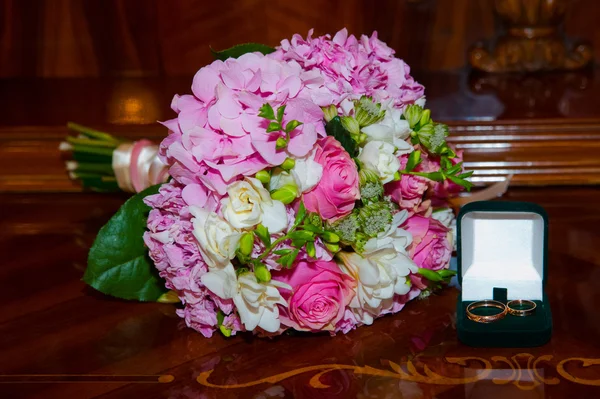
{"x":204,"y":84}
{"x":226,"y":104}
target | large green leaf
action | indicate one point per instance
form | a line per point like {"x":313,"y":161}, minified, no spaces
{"x":240,"y":49}
{"x":118,"y":262}
{"x":335,"y":128}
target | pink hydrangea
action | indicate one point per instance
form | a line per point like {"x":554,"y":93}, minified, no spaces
{"x":218,"y":137}
{"x":175,"y":253}
{"x":352,"y":67}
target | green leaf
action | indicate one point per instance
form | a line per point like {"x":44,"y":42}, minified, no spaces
{"x":266,"y":111}
{"x":310,"y":227}
{"x":445,"y":162}
{"x":454,"y":169}
{"x":220,"y":317}
{"x":241,"y":49}
{"x":291,"y":125}
{"x":445,"y":273}
{"x":280,"y":112}
{"x":334,"y":128}
{"x":430,"y":274}
{"x":274,"y":127}
{"x":302,"y":235}
{"x":118,"y":262}
{"x":466,"y":175}
{"x":413,"y":160}
{"x":461,"y":182}
{"x":263,"y":233}
{"x":435,"y":176}
{"x":282,"y":252}
{"x":288,"y":260}
{"x":300,"y":215}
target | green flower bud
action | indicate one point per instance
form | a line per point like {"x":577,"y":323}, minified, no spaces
{"x":311,"y":250}
{"x":288,"y":164}
{"x":412,"y":114}
{"x":397,"y":176}
{"x":330,"y":237}
{"x":333,"y":248}
{"x":285,"y":194}
{"x":433,"y":137}
{"x":315,"y":220}
{"x":281,"y":143}
{"x":352,"y":126}
{"x":425,"y":117}
{"x":367,"y":112}
{"x":247,"y":243}
{"x":225,"y":331}
{"x":263,"y":176}
{"x":329,"y":112}
{"x":263,"y":275}
{"x":168,"y":297}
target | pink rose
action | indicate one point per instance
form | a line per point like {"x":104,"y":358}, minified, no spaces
{"x":430,"y":248}
{"x":335,"y":194}
{"x":408,"y":192}
{"x":320,"y":294}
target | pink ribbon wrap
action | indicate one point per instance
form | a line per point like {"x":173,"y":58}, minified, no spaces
{"x":137,"y":166}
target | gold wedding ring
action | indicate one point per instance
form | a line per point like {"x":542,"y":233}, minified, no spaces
{"x":488,"y":303}
{"x":530,"y":307}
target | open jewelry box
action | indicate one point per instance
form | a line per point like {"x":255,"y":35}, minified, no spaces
{"x":502,"y":255}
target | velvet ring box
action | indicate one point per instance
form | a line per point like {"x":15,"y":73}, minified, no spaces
{"x":503,"y":255}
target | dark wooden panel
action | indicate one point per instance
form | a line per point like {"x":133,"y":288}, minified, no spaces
{"x":90,"y":38}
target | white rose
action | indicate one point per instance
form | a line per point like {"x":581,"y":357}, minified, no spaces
{"x":217,"y":239}
{"x":255,"y":302}
{"x":379,"y":156}
{"x":375,"y":285}
{"x":391,"y":129}
{"x":249,"y":204}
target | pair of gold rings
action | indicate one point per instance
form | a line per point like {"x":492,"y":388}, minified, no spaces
{"x":516,"y":307}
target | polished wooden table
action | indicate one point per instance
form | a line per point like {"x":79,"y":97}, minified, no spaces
{"x":60,"y":339}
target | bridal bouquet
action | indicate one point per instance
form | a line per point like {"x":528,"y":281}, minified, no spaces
{"x":307,"y":190}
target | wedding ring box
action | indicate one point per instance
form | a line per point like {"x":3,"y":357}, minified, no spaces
{"x":502,"y":254}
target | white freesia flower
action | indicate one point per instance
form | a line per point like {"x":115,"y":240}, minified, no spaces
{"x":255,"y":302}
{"x":217,"y":239}
{"x":249,"y":204}
{"x":388,"y":250}
{"x":280,"y":178}
{"x":379,"y":156}
{"x":391,"y":129}
{"x":375,"y":285}
{"x":307,"y":172}
{"x":446,"y":217}
{"x":305,"y":175}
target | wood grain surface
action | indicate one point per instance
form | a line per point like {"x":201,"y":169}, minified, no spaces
{"x":60,"y":339}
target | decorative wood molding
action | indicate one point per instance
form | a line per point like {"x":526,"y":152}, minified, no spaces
{"x":533,"y":40}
